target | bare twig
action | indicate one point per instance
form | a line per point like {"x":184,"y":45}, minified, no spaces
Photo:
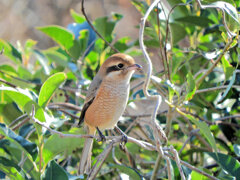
{"x":85,"y":15}
{"x":191,"y":167}
{"x":190,"y":135}
{"x":65,"y":105}
{"x":156,"y":167}
{"x":101,"y":158}
{"x":7,"y":83}
{"x":20,"y":124}
{"x":24,"y":116}
{"x":199,"y":81}
{"x":177,"y":159}
{"x":215,"y":88}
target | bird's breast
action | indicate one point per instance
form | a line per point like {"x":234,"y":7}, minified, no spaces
{"x":108,"y":105}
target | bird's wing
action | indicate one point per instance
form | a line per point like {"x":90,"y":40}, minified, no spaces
{"x":92,"y":91}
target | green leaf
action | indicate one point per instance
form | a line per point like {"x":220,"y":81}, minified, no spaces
{"x":19,"y":96}
{"x":59,"y":58}
{"x":11,"y":169}
{"x":31,"y":148}
{"x":48,"y":88}
{"x":55,"y":145}
{"x":191,"y":88}
{"x":180,"y":11}
{"x":197,"y":176}
{"x":121,"y":44}
{"x":195,"y":20}
{"x":204,"y":128}
{"x":227,"y":68}
{"x":17,"y":152}
{"x":105,"y":27}
{"x":54,"y":171}
{"x":10,"y":51}
{"x":24,"y":100}
{"x":64,"y":38}
{"x":59,"y":34}
{"x":228,"y":163}
{"x":78,"y":18}
{"x":178,"y":32}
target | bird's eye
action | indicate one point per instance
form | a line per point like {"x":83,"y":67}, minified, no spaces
{"x":120,"y":65}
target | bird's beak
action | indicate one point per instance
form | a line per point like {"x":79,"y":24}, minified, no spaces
{"x":134,"y":67}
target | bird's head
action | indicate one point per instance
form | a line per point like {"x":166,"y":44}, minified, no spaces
{"x":119,"y":67}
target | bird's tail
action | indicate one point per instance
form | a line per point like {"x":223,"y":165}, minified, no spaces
{"x":85,"y":162}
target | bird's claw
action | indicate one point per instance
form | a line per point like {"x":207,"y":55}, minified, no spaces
{"x":123,"y":141}
{"x":102,"y":137}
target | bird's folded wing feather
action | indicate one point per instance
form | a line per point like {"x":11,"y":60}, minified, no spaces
{"x":92,"y":91}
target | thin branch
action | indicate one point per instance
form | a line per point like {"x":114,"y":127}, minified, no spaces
{"x":199,"y":81}
{"x":20,"y":124}
{"x":156,"y":167}
{"x":101,"y":158}
{"x":85,"y":15}
{"x":215,"y":88}
{"x":24,"y":116}
{"x":190,"y":135}
{"x":65,"y":105}
{"x":191,"y":167}
{"x":177,"y":159}
{"x":7,"y":83}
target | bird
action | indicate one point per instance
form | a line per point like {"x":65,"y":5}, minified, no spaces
{"x":106,"y":101}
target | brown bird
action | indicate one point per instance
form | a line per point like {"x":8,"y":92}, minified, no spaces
{"x":106,"y":101}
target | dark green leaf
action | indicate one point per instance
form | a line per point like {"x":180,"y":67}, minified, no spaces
{"x":178,"y":32}
{"x":105,"y":27}
{"x":10,"y":51}
{"x":195,"y":20}
{"x":228,"y":163}
{"x":31,"y":148}
{"x":54,"y":171}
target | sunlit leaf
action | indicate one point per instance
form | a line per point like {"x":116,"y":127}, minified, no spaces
{"x":191,"y":88}
{"x":78,"y":18}
{"x":48,"y":88}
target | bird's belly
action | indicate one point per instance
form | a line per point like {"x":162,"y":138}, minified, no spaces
{"x":107,"y":107}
